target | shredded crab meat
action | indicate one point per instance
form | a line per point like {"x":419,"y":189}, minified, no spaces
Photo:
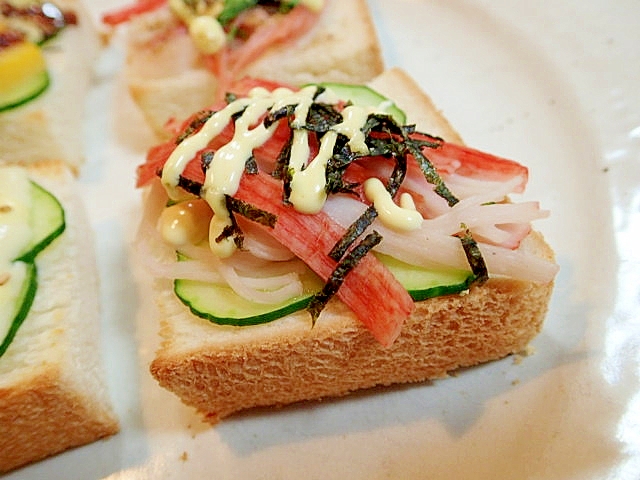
{"x":439,"y":249}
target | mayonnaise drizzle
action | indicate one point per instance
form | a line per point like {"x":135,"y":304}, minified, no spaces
{"x":207,"y":33}
{"x":402,"y":217}
{"x":308,"y":181}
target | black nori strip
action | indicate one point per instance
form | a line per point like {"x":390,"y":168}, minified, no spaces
{"x":234,"y":231}
{"x":356,"y":229}
{"x":282,"y":171}
{"x":430,"y":172}
{"x":322,"y":117}
{"x":251,"y":166}
{"x":474,"y":256}
{"x":206,"y":158}
{"x":381,"y":122}
{"x":198,"y":121}
{"x":336,"y":166}
{"x":250,"y":212}
{"x":282,"y":162}
{"x":274,"y":115}
{"x":337,"y":277}
{"x":189,"y":185}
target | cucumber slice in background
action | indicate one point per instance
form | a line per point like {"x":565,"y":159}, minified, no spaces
{"x":23,"y":74}
{"x":364,"y":96}
{"x":47,"y":222}
{"x":21,"y":308}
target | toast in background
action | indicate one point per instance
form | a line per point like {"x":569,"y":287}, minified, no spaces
{"x":50,"y":126}
{"x":53,"y":394}
{"x":168,"y":79}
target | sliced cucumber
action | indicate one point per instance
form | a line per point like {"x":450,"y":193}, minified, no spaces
{"x":47,"y":220}
{"x":363,"y":96}
{"x":422,"y":283}
{"x":23,"y":74}
{"x":22,"y":305}
{"x":221,"y":305}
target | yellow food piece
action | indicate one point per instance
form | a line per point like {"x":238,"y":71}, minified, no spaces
{"x":18,"y":64}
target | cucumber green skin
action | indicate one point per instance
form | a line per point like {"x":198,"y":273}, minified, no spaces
{"x":422,"y":283}
{"x":48,"y":222}
{"x":217,"y":297}
{"x":27,"y":294}
{"x":364,"y":96}
{"x":220,"y":305}
{"x":34,"y":88}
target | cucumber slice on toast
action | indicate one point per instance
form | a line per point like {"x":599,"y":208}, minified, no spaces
{"x":47,"y":220}
{"x":363,"y":96}
{"x":220,"y":304}
{"x":27,"y":291}
{"x":23,"y":74}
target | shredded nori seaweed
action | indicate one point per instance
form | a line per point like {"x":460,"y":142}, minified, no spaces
{"x":199,"y":119}
{"x":250,"y":211}
{"x":282,"y":170}
{"x":232,"y":230}
{"x":274,"y":115}
{"x":251,"y":166}
{"x":474,"y":256}
{"x":206,"y":158}
{"x":348,"y":263}
{"x":384,"y":137}
{"x":355,"y":230}
{"x":358,"y":227}
{"x":189,"y":185}
{"x":322,"y":117}
{"x":430,"y":172}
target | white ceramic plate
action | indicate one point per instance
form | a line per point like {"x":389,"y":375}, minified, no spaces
{"x":553,"y":84}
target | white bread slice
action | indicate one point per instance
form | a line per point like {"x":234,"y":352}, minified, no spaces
{"x":53,"y":394}
{"x":50,"y":126}
{"x":221,"y":370}
{"x":168,"y":80}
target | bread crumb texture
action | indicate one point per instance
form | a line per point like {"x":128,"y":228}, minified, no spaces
{"x":221,"y":370}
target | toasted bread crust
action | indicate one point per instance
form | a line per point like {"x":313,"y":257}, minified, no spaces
{"x":52,"y":391}
{"x":263,"y":366}
{"x":221,"y":370}
{"x":44,"y":415}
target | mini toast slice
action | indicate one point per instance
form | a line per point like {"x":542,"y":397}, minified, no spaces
{"x":168,"y":80}
{"x":220,"y":370}
{"x":50,"y":126}
{"x":53,"y":394}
